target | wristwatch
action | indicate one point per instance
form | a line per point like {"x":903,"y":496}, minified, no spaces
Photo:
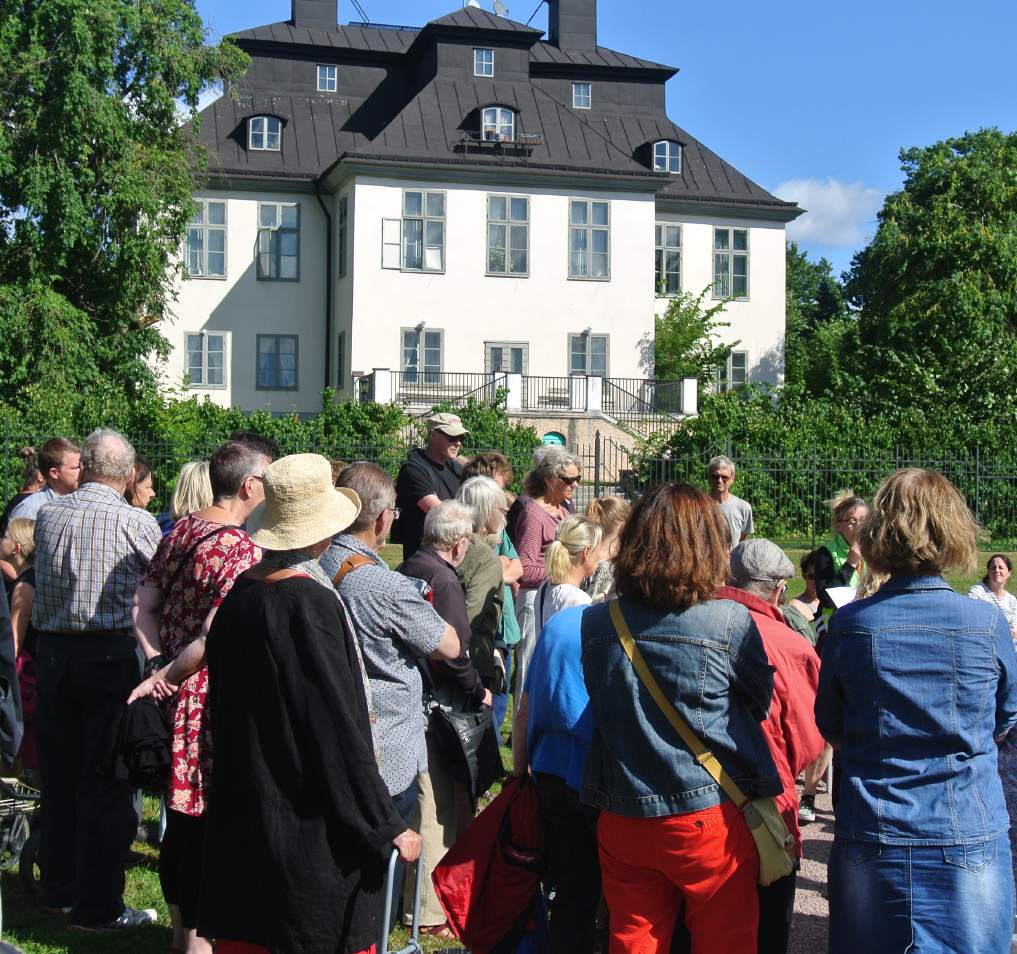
{"x":154,"y":664}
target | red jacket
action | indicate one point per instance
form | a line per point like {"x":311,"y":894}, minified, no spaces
{"x":790,"y":728}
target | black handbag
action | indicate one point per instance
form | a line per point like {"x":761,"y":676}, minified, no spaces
{"x":470,"y":741}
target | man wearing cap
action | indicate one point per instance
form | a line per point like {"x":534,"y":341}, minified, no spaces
{"x":429,"y":476}
{"x":759,"y":574}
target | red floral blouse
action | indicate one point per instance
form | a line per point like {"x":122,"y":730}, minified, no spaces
{"x":200,"y":587}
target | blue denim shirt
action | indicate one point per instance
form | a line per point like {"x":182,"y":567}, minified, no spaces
{"x":916,"y":681}
{"x":710,"y":662}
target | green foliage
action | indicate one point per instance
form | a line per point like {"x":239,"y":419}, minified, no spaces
{"x":684,"y":343}
{"x":936,"y":289}
{"x":96,"y":179}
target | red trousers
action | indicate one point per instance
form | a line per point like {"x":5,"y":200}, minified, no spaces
{"x":242,"y":947}
{"x":650,"y":866}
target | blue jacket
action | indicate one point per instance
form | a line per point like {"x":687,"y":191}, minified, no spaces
{"x":710,"y":662}
{"x":916,"y":681}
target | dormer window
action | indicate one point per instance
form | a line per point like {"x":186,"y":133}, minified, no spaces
{"x":483,"y":62}
{"x":582,"y":95}
{"x":498,"y":124}
{"x":264,"y":133}
{"x":667,"y":157}
{"x":328,"y":79}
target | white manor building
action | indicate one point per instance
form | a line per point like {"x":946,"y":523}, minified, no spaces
{"x":419,"y":210}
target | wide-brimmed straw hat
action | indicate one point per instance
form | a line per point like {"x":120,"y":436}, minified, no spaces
{"x":301,"y":506}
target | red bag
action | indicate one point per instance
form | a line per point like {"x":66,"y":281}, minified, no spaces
{"x":486,"y":881}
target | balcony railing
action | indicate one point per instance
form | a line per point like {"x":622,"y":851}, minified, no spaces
{"x":555,"y":394}
{"x":639,"y":399}
{"x":418,"y":388}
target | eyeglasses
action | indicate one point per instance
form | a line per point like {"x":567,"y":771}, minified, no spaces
{"x":395,"y":511}
{"x":571,"y":481}
{"x":724,"y":478}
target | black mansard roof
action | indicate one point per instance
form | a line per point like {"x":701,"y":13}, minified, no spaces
{"x":436,"y":122}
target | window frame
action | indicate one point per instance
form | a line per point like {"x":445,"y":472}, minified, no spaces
{"x":258,"y":386}
{"x":588,"y":355}
{"x":589,"y":228}
{"x":203,"y":385}
{"x":421,"y":367}
{"x":424,"y":218}
{"x":660,"y":250}
{"x":333,"y":79}
{"x":265,"y":133}
{"x":524,"y":346}
{"x":730,"y":254}
{"x":508,"y":223}
{"x":274,"y":252}
{"x":576,"y":104}
{"x":205,"y":227}
{"x":476,"y":61}
{"x":677,"y":151}
{"x":723,"y":374}
{"x":500,"y":112}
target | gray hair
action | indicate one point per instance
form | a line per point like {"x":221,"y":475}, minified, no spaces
{"x":548,"y":462}
{"x":108,"y":454}
{"x":722,"y":460}
{"x":487,"y":501}
{"x":373,"y":486}
{"x":446,"y":524}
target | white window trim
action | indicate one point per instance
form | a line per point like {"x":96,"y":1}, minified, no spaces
{"x":483,"y":49}
{"x":499,"y":113}
{"x":296,"y":362}
{"x":390,"y":224}
{"x":421,"y":350}
{"x":671,"y":145}
{"x":279,"y":228}
{"x":264,"y":136}
{"x":334,"y":79}
{"x":205,"y":227}
{"x":488,"y":345}
{"x":508,"y":223}
{"x":226,"y":344}
{"x":589,"y":353}
{"x":731,"y":252}
{"x":589,"y":227}
{"x":575,"y":90}
{"x":722,"y":387}
{"x":665,"y":248}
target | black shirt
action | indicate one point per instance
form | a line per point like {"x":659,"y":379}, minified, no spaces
{"x":418,"y":478}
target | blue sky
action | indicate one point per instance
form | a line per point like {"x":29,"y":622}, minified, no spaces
{"x":812,"y":100}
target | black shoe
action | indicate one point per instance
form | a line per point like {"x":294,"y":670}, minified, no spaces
{"x":807,"y":809}
{"x":129,"y":918}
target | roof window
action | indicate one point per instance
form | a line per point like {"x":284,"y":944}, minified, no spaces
{"x":264,"y":133}
{"x":667,"y":157}
{"x":498,"y":124}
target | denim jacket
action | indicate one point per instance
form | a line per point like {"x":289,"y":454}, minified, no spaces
{"x":710,"y":662}
{"x":915,"y":684}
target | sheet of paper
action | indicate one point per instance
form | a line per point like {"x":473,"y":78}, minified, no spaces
{"x":841,"y":595}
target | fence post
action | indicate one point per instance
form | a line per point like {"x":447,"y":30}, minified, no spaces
{"x":596,"y":464}
{"x":978,"y":481}
{"x":383,"y":386}
{"x":815,"y":488}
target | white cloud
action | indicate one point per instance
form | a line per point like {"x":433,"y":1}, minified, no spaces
{"x":838,"y":213}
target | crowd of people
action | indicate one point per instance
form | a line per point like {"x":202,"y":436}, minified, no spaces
{"x":308,"y":690}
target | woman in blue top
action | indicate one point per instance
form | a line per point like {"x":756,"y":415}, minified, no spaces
{"x":917,"y":685}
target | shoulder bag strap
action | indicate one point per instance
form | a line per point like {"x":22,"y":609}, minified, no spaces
{"x":702,"y":754}
{"x":194,"y":549}
{"x":350,"y":564}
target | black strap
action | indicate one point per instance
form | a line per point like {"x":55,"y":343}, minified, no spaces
{"x":187,"y":556}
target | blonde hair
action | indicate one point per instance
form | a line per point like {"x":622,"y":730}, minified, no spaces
{"x":610,"y":512}
{"x":22,"y":532}
{"x":843,"y":503}
{"x":871,"y":582}
{"x":193,"y":490}
{"x":919,"y":524}
{"x":574,"y":535}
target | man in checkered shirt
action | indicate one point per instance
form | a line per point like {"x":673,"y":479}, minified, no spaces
{"x":91,"y":550}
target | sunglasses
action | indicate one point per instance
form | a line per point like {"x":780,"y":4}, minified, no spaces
{"x":571,"y":481}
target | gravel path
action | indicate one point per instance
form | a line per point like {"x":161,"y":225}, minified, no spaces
{"x":809,"y":931}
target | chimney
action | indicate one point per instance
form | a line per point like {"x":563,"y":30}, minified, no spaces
{"x":572,"y":24}
{"x":315,"y":14}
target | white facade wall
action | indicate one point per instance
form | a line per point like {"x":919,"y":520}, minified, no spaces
{"x":757,"y":322}
{"x":471,"y":307}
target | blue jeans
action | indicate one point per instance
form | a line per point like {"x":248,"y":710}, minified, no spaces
{"x":923,"y":900}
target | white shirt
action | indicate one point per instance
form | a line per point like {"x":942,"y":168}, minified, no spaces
{"x":1007,"y":602}
{"x":554,"y":597}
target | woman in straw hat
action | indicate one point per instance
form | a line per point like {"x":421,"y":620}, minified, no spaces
{"x":300,"y":823}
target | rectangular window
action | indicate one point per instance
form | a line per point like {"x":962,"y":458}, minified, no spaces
{"x":206,"y":241}
{"x":508,"y":235}
{"x":588,"y":354}
{"x":668,"y":259}
{"x":277,"y":363}
{"x":423,"y":232}
{"x":589,"y":239}
{"x":422,"y":355}
{"x":483,"y":62}
{"x":506,"y":357}
{"x":730,"y":263}
{"x":344,"y":210}
{"x":265,"y":134}
{"x":279,"y":241}
{"x":582,"y":95}
{"x":328,"y":79}
{"x":206,"y":359}
{"x":734,"y":373}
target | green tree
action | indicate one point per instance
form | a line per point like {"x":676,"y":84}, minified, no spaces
{"x":96,"y":176}
{"x":936,"y":289}
{"x":685,"y":343}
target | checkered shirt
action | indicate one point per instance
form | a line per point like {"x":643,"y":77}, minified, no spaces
{"x":91,"y":550}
